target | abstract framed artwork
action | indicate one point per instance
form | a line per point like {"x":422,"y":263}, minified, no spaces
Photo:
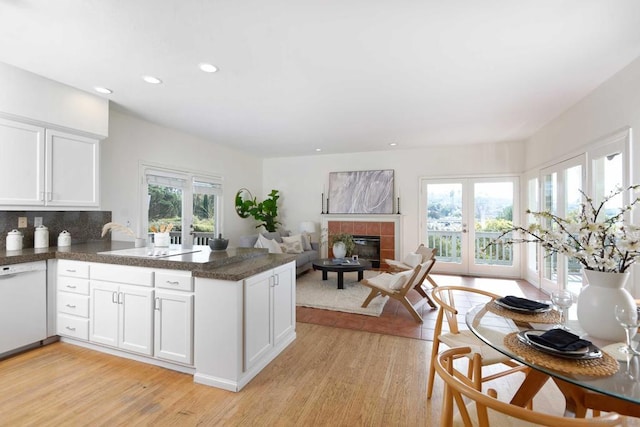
{"x":361,"y":192}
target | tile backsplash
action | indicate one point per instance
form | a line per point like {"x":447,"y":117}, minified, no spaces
{"x":82,"y":225}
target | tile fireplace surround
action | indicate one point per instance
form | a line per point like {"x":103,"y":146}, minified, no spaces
{"x":385,"y":226}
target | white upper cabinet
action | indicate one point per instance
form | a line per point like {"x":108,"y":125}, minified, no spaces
{"x":41,"y":167}
{"x":21,"y":164}
{"x":72,"y":170}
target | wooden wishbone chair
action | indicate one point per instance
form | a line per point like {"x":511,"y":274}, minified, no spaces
{"x":485,"y":410}
{"x":482,"y":354}
{"x":427,"y":254}
{"x":397,"y":285}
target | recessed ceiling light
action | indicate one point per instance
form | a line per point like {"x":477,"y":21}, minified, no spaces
{"x":393,"y":144}
{"x":208,"y":68}
{"x":152,"y":80}
{"x":318,"y":149}
{"x":104,"y":90}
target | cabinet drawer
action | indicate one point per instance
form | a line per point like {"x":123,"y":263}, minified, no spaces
{"x":73,"y":268}
{"x":77,"y":305}
{"x":75,"y":327}
{"x":73,"y":284}
{"x":122,"y":274}
{"x":177,"y":280}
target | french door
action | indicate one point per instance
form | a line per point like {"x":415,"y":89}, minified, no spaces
{"x":460,"y":217}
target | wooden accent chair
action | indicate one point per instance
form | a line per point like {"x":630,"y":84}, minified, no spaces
{"x":427,"y":254}
{"x":482,"y":355}
{"x":397,"y":285}
{"x":486,"y":410}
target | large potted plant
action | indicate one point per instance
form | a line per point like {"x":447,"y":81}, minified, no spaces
{"x":265,"y":212}
{"x":603,"y":244}
{"x":342,"y":245}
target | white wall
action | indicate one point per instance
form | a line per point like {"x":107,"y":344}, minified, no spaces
{"x":301,"y":179}
{"x":28,"y":96}
{"x":132,"y":140}
{"x":611,"y":107}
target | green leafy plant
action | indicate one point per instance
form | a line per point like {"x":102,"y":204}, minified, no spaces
{"x":345,"y":238}
{"x":265,"y":212}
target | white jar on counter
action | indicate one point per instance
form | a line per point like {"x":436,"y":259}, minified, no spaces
{"x":14,"y":240}
{"x":64,"y":238}
{"x":41,"y":238}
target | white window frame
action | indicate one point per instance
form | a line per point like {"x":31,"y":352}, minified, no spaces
{"x":185,"y":179}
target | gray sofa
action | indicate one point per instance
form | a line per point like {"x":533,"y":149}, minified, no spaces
{"x":303,"y":260}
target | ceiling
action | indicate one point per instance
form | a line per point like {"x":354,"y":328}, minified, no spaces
{"x":339,"y":75}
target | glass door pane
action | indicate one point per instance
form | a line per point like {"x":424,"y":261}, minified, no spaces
{"x":493,"y":209}
{"x":165,"y":207}
{"x":444,"y":225}
{"x":550,"y":203}
{"x":573,"y":201}
{"x":204,"y":213}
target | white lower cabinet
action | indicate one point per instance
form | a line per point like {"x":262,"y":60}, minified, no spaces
{"x":269,"y":312}
{"x":122,"y":316}
{"x":73,"y":299}
{"x":173,"y":326}
{"x":241,"y":326}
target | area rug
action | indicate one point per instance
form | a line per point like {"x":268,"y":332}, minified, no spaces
{"x":312,"y":291}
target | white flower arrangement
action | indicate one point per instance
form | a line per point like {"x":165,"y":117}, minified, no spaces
{"x":599,"y":243}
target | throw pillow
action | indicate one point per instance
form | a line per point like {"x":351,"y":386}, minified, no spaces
{"x":306,"y":242}
{"x":272,"y":245}
{"x":292,"y":244}
{"x":412,"y":259}
{"x":399,"y":280}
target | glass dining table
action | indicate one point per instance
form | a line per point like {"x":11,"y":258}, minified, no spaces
{"x":610,"y":383}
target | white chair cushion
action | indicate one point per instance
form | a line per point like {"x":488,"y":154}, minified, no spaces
{"x":466,"y":338}
{"x":412,"y":259}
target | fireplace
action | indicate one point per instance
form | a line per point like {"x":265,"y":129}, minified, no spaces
{"x":368,"y":248}
{"x":385,"y":229}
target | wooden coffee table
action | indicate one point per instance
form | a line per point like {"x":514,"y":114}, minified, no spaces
{"x":326,"y":264}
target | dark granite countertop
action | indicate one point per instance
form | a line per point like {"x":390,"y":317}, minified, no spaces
{"x":232,"y":264}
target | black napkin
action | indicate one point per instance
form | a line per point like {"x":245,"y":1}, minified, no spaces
{"x":523,"y":303}
{"x":559,"y":339}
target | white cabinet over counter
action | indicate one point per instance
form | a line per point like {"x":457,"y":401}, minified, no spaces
{"x":44,"y":168}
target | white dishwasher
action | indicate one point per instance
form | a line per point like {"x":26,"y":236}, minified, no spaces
{"x":23,"y":305}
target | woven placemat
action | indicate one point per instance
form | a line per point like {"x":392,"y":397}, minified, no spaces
{"x":550,"y":316}
{"x":602,"y":367}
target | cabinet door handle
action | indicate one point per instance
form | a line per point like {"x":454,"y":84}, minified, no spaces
{"x":71,"y":286}
{"x":114,"y":298}
{"x":71,"y":305}
{"x":157,"y":305}
{"x":120,"y":298}
{"x":175,"y":283}
{"x":276,"y":279}
{"x":70,"y":328}
{"x":70,"y":271}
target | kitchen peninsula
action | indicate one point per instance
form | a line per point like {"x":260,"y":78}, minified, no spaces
{"x":219,"y":315}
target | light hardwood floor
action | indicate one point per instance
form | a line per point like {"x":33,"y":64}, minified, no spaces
{"x":328,"y":376}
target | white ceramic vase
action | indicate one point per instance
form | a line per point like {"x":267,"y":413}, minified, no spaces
{"x":597,"y":302}
{"x":339,"y":250}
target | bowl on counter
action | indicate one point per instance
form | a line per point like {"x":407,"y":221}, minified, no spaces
{"x":218,"y":244}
